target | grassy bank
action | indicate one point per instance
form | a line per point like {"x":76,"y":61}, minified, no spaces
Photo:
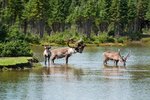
{"x":10,"y":61}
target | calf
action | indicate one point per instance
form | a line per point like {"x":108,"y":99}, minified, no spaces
{"x":115,"y":56}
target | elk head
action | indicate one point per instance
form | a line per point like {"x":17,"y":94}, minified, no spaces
{"x":124,"y":59}
{"x":79,"y":45}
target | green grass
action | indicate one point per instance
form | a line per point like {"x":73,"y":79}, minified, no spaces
{"x":6,"y":61}
{"x":146,"y":40}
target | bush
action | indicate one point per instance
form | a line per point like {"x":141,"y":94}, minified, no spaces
{"x":15,"y":49}
{"x":3,"y":33}
{"x":135,"y":36}
{"x":103,"y":38}
{"x":122,"y":39}
{"x":60,"y":38}
{"x":110,"y":40}
{"x":15,"y":34}
{"x":32,"y":38}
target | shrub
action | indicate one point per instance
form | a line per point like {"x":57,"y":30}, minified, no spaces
{"x":15,"y":49}
{"x":135,"y":36}
{"x":102,"y":38}
{"x":60,"y":38}
{"x":122,"y":39}
{"x":32,"y":38}
{"x":3,"y":33}
{"x":110,"y":40}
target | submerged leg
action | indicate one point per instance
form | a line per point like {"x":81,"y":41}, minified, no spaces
{"x":105,"y":61}
{"x":45,"y":59}
{"x":67,"y":59}
{"x":48,"y":59}
{"x":52,"y":59}
{"x":116,"y":62}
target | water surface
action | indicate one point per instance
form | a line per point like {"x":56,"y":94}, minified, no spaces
{"x":85,"y":78}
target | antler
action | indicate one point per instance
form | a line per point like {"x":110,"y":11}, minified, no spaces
{"x":79,"y":40}
{"x":69,"y":42}
{"x":127,"y":55}
{"x":119,"y":52}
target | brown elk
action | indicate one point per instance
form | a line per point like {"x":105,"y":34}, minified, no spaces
{"x":115,"y":56}
{"x":67,"y":51}
{"x":47,"y":53}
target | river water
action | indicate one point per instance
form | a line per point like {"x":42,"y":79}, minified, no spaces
{"x":85,"y":78}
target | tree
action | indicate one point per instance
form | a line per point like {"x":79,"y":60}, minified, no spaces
{"x":102,"y":14}
{"x":147,"y":16}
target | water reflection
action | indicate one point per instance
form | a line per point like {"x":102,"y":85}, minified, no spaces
{"x":114,"y":72}
{"x":62,"y":70}
{"x":85,"y":78}
{"x":14,"y":75}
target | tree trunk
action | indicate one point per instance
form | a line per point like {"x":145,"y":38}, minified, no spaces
{"x":103,"y":26}
{"x":41,"y":28}
{"x":25,"y":26}
{"x":117,"y":29}
{"x":87,"y":28}
{"x":79,"y":26}
{"x":137,"y":25}
{"x":56,"y":27}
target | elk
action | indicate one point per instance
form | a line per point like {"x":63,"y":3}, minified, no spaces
{"x":115,"y":56}
{"x":67,"y":51}
{"x":47,"y":53}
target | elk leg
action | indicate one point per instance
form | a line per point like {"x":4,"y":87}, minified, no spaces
{"x":45,"y":59}
{"x":124,"y":64}
{"x":52,"y":60}
{"x":116,"y":62}
{"x":48,"y":59}
{"x":105,"y":61}
{"x":67,"y":58}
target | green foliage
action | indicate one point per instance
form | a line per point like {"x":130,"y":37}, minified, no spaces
{"x":15,"y":49}
{"x":16,"y":43}
{"x":147,"y":16}
{"x":122,"y":39}
{"x":32,"y":38}
{"x":14,"y":34}
{"x":58,"y":16}
{"x":103,"y":38}
{"x":135,"y":36}
{"x":131,"y":10}
{"x":60,"y":38}
{"x":3,"y":33}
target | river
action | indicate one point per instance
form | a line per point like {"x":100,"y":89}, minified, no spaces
{"x":85,"y":78}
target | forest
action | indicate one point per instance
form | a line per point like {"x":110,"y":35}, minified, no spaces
{"x":56,"y":20}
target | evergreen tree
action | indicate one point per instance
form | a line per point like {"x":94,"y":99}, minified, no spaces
{"x":147,"y":16}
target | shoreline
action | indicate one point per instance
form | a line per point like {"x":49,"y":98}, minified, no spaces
{"x":141,"y":42}
{"x":16,"y":62}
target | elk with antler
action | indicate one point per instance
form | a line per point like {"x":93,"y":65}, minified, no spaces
{"x":115,"y":56}
{"x":67,"y":51}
